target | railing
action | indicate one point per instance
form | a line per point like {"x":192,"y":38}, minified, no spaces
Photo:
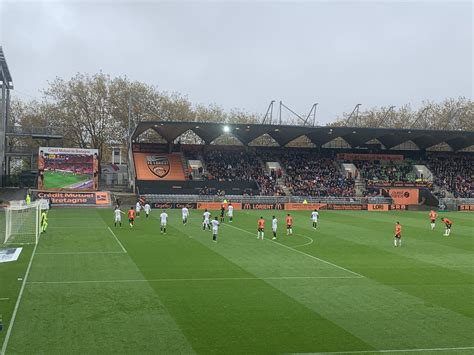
{"x":265,"y":199}
{"x":21,"y":150}
{"x":34,"y":131}
{"x":456,"y":201}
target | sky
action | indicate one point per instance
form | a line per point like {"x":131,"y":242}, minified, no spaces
{"x":243,"y":54}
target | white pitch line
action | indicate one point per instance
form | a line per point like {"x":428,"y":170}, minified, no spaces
{"x":82,"y":252}
{"x":118,"y":241}
{"x":302,"y":245}
{"x":4,"y":299}
{"x":198,"y":279}
{"x":17,"y":304}
{"x":299,"y":251}
{"x":392,"y":351}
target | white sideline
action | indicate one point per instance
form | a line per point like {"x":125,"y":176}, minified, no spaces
{"x":4,"y":299}
{"x":198,"y":279}
{"x":118,"y":241}
{"x":17,"y":304}
{"x":392,"y":351}
{"x":82,"y":252}
{"x":299,"y":251}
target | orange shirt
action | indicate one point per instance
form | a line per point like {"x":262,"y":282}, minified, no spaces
{"x":433,"y":215}
{"x":289,"y":220}
{"x":447,"y":221}
{"x":131,"y":214}
{"x":398,"y":229}
{"x":261,"y":223}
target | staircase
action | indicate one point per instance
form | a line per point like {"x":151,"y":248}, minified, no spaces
{"x":185,"y":165}
{"x":359,"y":186}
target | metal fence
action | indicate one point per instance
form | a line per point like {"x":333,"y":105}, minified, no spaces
{"x":265,"y":199}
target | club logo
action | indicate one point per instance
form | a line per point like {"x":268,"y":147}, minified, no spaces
{"x":160,"y":166}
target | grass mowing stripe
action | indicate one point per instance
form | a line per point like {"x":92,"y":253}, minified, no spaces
{"x":395,"y":351}
{"x":199,"y":279}
{"x":17,"y":304}
{"x":301,"y":252}
{"x":118,"y":241}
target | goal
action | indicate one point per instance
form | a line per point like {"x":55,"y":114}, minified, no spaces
{"x":22,"y":222}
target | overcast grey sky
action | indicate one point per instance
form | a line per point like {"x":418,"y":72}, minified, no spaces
{"x":244,"y":54}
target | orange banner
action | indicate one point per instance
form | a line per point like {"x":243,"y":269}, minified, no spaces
{"x":377,"y":207}
{"x":466,"y":208}
{"x":158,"y":166}
{"x":304,"y":207}
{"x":404,"y":196}
{"x":216,"y":205}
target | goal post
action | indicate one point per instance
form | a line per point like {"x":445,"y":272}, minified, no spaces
{"x":22,"y":222}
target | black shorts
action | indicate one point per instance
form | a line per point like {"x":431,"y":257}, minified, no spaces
{"x":433,"y":220}
{"x":448,"y":226}
{"x":288,"y":226}
{"x":398,"y":236}
{"x":222,"y":213}
{"x":260,"y":229}
{"x":131,"y":220}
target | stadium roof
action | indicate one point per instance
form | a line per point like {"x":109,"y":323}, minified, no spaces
{"x":4,"y":72}
{"x":283,"y":134}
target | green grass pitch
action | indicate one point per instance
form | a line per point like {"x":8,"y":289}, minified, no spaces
{"x":58,"y":180}
{"x":96,"y":289}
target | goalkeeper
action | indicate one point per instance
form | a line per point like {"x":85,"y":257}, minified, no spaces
{"x":44,"y":221}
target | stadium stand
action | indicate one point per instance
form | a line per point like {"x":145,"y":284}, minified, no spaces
{"x":454,"y":174}
{"x":311,"y":175}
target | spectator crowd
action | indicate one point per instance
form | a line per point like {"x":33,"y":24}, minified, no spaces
{"x":308,"y":174}
{"x":455,"y":174}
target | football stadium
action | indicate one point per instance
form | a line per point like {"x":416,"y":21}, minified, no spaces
{"x":129,"y":225}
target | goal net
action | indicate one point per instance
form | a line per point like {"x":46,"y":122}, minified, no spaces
{"x":22,"y":222}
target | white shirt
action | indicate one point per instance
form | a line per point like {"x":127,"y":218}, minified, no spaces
{"x":185,"y":212}
{"x":206,"y":215}
{"x":164,"y":217}
{"x":314,"y":215}
{"x":230,"y":210}
{"x":138,"y":207}
{"x":147,"y":208}
{"x":117,"y":213}
{"x":215,"y":225}
{"x":274,"y":224}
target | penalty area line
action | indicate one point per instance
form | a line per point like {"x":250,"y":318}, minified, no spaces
{"x":118,"y":241}
{"x":17,"y":304}
{"x":302,"y":245}
{"x":197,"y":279}
{"x":301,"y":252}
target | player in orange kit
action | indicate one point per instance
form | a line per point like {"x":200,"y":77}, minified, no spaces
{"x":261,"y":227}
{"x":433,"y":216}
{"x":448,"y":224}
{"x":131,"y":216}
{"x":289,"y":225}
{"x":397,"y":240}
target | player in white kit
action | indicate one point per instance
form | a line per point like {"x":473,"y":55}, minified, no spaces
{"x":206,"y":223}
{"x":138,"y":207}
{"x":215,"y":228}
{"x":230,"y":212}
{"x":118,"y":216}
{"x":314,"y":218}
{"x":274,"y":227}
{"x":185,"y":215}
{"x":163,"y":221}
{"x":147,"y":209}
